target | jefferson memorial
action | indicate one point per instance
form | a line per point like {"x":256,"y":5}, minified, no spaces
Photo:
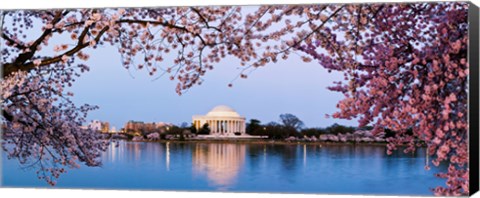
{"x":222,"y":120}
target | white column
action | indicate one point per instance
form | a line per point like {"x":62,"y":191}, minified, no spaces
{"x":210,"y":125}
{"x":230,"y":126}
{"x":243,"y":126}
{"x":214,"y":127}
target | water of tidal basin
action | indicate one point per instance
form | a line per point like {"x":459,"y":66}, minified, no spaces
{"x":346,"y":169}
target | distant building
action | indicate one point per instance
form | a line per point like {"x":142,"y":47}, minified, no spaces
{"x":95,"y":125}
{"x":98,"y":125}
{"x":222,"y":120}
{"x":105,"y":127}
{"x":139,"y":126}
{"x":133,"y":126}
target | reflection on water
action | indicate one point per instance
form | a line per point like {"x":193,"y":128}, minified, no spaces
{"x":221,"y":163}
{"x":304,"y":155}
{"x":167,"y":156}
{"x":299,"y":168}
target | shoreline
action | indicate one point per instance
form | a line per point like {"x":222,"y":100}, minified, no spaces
{"x":267,"y":142}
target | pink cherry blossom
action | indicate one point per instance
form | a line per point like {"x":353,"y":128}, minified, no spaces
{"x":435,"y":100}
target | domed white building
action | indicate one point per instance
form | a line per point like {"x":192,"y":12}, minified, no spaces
{"x":222,"y":121}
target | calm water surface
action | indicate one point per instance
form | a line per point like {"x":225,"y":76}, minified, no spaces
{"x":298,"y":168}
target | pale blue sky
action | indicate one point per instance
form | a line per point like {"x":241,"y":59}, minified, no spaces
{"x":290,"y":86}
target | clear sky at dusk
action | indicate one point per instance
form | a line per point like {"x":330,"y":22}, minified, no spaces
{"x":289,"y":86}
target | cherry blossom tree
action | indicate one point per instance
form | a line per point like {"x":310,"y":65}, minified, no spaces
{"x":413,"y":54}
{"x":406,"y":68}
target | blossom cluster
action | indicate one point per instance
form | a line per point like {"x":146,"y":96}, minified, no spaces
{"x":406,"y":69}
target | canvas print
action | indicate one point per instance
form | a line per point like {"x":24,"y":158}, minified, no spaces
{"x":368,"y":98}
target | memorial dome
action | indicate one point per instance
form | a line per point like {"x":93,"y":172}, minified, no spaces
{"x":223,"y":111}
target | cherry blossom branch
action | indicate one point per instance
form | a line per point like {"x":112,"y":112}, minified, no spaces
{"x":204,"y":20}
{"x":9,"y":68}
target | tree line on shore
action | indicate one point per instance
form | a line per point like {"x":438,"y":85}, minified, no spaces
{"x":290,"y":128}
